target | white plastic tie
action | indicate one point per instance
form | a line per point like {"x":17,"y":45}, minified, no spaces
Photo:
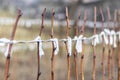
{"x":86,"y":40}
{"x":75,"y":38}
{"x":95,"y":40}
{"x":108,"y":33}
{"x":56,"y":45}
{"x":102,"y":34}
{"x":3,"y":41}
{"x":41,"y":52}
{"x":114,"y":38}
{"x":14,"y":42}
{"x":69,"y":45}
{"x":8,"y":45}
{"x":111,"y":39}
{"x":118,"y":33}
{"x":79,"y":44}
{"x":7,"y":49}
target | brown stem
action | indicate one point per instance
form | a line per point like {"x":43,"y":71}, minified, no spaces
{"x":68,"y":55}
{"x":101,"y":12}
{"x":94,"y":53}
{"x":118,"y":60}
{"x":112,"y":63}
{"x":75,"y":61}
{"x":82,"y":64}
{"x":103,"y":51}
{"x":109,"y":47}
{"x":75,"y":52}
{"x":119,"y":52}
{"x":42,"y":24}
{"x":6,"y":74}
{"x":109,"y":17}
{"x":38,"y":56}
{"x":115,"y":19}
{"x":67,"y":22}
{"x":103,"y":62}
{"x":94,"y":64}
{"x":113,"y":49}
{"x":94,"y":20}
{"x":109,"y":64}
{"x":76,"y":26}
{"x":83,"y":26}
{"x":82,"y":54}
{"x":53,"y":49}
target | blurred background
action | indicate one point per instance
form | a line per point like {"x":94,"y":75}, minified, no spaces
{"x":32,"y":9}
{"x":24,"y":58}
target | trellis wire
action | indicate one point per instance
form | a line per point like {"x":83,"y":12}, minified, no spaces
{"x":4,"y":41}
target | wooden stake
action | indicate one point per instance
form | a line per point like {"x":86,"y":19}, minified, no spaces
{"x":82,"y":54}
{"x":53,"y":49}
{"x":103,"y":51}
{"x":38,"y":53}
{"x":6,"y":74}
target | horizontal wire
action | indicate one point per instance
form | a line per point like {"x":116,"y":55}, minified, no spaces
{"x":7,"y":41}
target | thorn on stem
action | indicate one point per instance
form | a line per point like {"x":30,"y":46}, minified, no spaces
{"x":52,"y":72}
{"x":43,"y":12}
{"x":68,"y":55}
{"x":82,"y":56}
{"x":66,"y":17}
{"x":101,"y":63}
{"x":81,"y":31}
{"x":65,"y":42}
{"x":39,"y":73}
{"x":42,"y":26}
{"x":54,"y":49}
{"x":109,"y":51}
{"x":20,"y":12}
{"x":119,"y":69}
{"x":69,"y":27}
{"x":51,"y":35}
{"x":8,"y":75}
{"x":8,"y":56}
{"x":103,"y":49}
{"x":94,"y":56}
{"x":75,"y":55}
{"x":53,"y":13}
